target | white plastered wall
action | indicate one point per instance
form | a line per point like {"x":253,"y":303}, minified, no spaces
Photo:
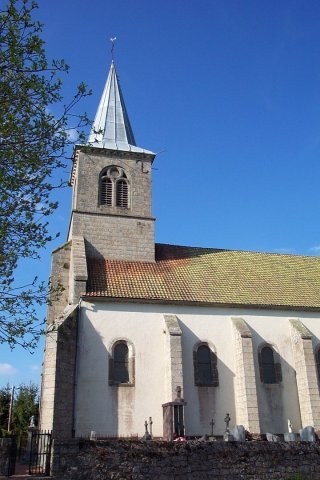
{"x":111,"y":410}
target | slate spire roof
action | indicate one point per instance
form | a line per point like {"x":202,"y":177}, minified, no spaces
{"x":111,"y":127}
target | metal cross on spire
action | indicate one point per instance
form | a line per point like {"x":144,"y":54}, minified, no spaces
{"x":112,"y":40}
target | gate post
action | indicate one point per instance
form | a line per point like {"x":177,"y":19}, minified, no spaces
{"x":31,"y":430}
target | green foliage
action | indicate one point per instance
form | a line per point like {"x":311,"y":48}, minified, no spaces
{"x":5,"y":396}
{"x":33,"y":146}
{"x":25,"y":406}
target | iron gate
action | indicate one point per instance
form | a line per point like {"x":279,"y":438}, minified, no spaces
{"x":12,"y":456}
{"x":40,"y":453}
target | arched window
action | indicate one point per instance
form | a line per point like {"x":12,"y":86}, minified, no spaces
{"x":270,"y":367}
{"x":121,"y":364}
{"x":114,"y":188}
{"x":205,"y":366}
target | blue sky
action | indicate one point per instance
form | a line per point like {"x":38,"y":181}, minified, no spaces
{"x":228,"y":93}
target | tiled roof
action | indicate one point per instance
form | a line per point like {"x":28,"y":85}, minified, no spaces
{"x":211,"y":277}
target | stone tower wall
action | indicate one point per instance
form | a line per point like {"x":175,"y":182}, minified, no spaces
{"x":56,"y":317}
{"x":113,"y":232}
{"x":115,"y":237}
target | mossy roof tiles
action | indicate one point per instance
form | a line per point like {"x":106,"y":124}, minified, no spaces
{"x":211,"y":276}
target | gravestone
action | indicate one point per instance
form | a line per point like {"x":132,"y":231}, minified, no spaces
{"x":272,"y":438}
{"x":227,"y":437}
{"x":307,"y":434}
{"x":291,"y":437}
{"x":239,"y":434}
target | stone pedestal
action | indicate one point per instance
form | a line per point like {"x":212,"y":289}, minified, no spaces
{"x":173,"y":420}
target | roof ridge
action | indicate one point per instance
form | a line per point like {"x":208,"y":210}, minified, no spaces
{"x":255,"y":252}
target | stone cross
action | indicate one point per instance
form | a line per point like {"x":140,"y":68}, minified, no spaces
{"x":178,"y":390}
{"x":212,"y":425}
{"x":146,"y":435}
{"x":227,"y":421}
{"x":150,"y":425}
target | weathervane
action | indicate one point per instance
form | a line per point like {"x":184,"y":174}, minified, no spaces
{"x":112,"y":40}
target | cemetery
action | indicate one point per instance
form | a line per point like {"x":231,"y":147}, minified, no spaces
{"x":237,"y":454}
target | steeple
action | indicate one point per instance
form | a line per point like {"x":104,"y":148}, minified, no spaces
{"x":111,"y":127}
{"x":111,"y":180}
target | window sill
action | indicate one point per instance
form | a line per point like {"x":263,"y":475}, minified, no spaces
{"x":206,"y":385}
{"x":115,"y":384}
{"x":271,"y":385}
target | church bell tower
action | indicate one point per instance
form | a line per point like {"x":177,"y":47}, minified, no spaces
{"x":110,"y":219}
{"x":111,"y":180}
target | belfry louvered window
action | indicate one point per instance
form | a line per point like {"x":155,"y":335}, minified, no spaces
{"x":269,"y":364}
{"x":106,"y":191}
{"x":114,"y":188}
{"x":205,"y":366}
{"x":122,"y":193}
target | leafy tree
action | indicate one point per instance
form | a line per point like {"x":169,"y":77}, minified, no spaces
{"x":5,"y":396}
{"x":33,"y":146}
{"x":25,"y":406}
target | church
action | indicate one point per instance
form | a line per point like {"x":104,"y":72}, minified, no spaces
{"x":166,"y":337}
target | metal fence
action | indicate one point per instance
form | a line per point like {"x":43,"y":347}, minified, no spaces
{"x":40,"y":453}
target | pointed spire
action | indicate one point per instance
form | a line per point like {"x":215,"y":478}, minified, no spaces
{"x":111,"y":127}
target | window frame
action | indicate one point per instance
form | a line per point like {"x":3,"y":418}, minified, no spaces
{"x":212,"y":368}
{"x":130,"y":367}
{"x":110,"y":193}
{"x":264,"y":367}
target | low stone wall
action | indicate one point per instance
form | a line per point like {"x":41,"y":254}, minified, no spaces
{"x":135,"y":460}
